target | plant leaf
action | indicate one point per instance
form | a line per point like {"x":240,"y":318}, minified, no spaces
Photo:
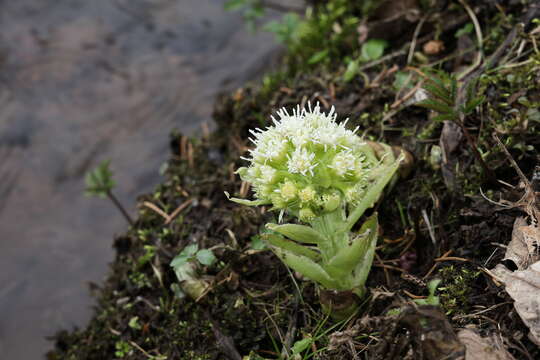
{"x":295,"y":248}
{"x":231,"y":5}
{"x":361,"y":271}
{"x":296,"y":232}
{"x":472,"y":104}
{"x":466,"y":29}
{"x":443,"y":94}
{"x":432,"y":286}
{"x":245,"y":201}
{"x":372,"y":193}
{"x":318,"y":57}
{"x":206,"y":257}
{"x":373,"y":49}
{"x":352,"y":70}
{"x":257,"y":243}
{"x":436,"y":105}
{"x":442,"y":117}
{"x":306,"y":267}
{"x":350,"y":256}
{"x":301,"y":345}
{"x":185,"y":255}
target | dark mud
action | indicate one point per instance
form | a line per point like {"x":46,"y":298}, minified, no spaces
{"x":83,"y":81}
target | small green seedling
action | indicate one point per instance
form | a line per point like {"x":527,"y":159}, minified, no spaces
{"x":432,"y":299}
{"x":186,"y":266}
{"x":99,"y":182}
{"x":373,"y":49}
{"x":134,"y":323}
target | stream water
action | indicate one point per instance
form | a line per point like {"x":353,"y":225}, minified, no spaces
{"x":82,"y":81}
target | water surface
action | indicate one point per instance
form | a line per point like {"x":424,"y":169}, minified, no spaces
{"x":82,"y":81}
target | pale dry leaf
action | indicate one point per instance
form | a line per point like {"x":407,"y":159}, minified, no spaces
{"x":482,"y":348}
{"x":524,"y":247}
{"x":524,"y":287}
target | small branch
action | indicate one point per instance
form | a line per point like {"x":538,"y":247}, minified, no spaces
{"x":119,"y":206}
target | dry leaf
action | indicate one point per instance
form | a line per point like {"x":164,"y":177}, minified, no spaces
{"x":523,"y":249}
{"x":449,"y":141}
{"x":524,"y":287}
{"x":480,"y":348}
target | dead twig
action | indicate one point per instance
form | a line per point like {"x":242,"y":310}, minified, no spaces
{"x":178,"y":210}
{"x":168,"y":218}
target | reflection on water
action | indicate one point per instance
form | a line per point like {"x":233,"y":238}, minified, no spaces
{"x":81,"y":81}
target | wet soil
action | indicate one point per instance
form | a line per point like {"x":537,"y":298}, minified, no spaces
{"x":82,"y":81}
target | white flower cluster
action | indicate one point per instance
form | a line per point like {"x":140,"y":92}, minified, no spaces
{"x":307,"y":163}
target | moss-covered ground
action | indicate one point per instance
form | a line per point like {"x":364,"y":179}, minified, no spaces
{"x":435,"y":223}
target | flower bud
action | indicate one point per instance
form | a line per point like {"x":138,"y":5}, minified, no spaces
{"x":307,"y":194}
{"x":288,"y":191}
{"x":306,"y":214}
{"x":331,"y":201}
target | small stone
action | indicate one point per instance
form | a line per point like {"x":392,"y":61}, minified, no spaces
{"x":433,"y":47}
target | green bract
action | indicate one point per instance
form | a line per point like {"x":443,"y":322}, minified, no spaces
{"x":309,"y":166}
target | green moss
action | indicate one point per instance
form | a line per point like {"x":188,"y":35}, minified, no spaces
{"x":456,"y":288}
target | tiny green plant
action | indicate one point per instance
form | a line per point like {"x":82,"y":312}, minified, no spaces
{"x":326,"y":176}
{"x":186,"y":266}
{"x":432,"y":299}
{"x":373,"y":49}
{"x":443,"y":90}
{"x":99,"y":182}
{"x":123,"y":349}
{"x":454,"y":101}
{"x":251,"y":10}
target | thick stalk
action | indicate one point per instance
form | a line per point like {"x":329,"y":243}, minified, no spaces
{"x":339,"y":304}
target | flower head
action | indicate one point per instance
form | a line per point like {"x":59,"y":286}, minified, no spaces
{"x":307,"y":163}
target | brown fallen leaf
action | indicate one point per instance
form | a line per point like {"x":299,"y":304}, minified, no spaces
{"x":482,"y":348}
{"x":523,"y":249}
{"x":524,"y":287}
{"x":451,"y":137}
{"x":430,"y":336}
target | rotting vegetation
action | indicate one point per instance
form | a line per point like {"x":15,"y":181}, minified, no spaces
{"x":436,"y":223}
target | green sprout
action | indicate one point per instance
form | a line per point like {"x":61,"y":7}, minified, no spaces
{"x":186,"y":266}
{"x":432,"y":299}
{"x":99,"y":182}
{"x":326,"y":176}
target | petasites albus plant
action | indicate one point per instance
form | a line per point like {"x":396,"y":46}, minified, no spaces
{"x":327,"y":176}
